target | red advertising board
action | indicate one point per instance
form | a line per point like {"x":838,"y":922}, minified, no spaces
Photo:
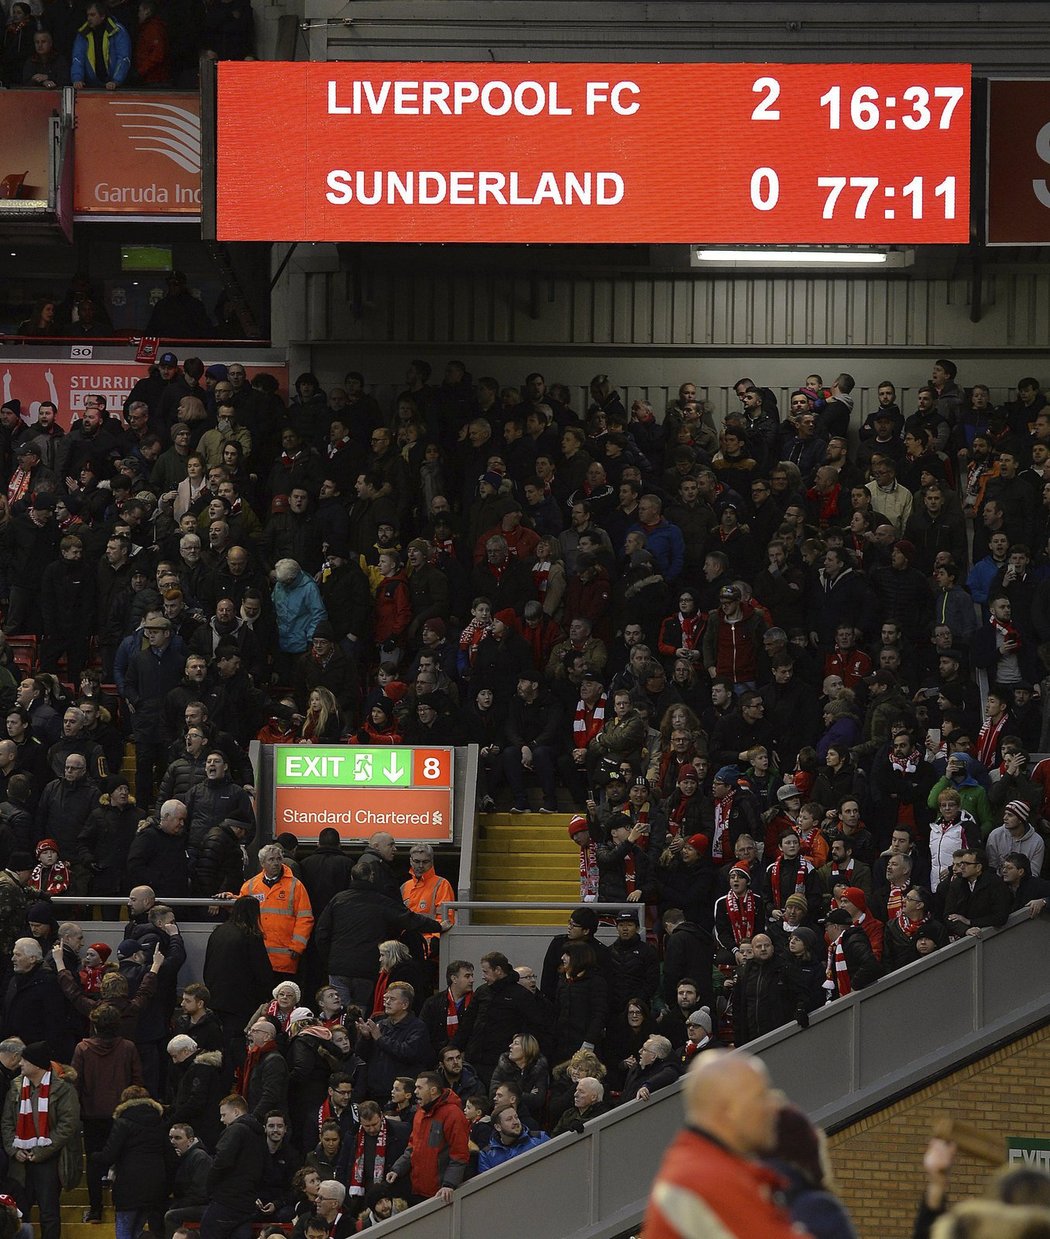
{"x":137,"y":154}
{"x":1019,"y":163}
{"x":67,"y":383}
{"x":644,"y":153}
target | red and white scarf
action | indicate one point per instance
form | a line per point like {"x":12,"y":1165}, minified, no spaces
{"x":838,"y":970}
{"x":906,"y":765}
{"x":741,"y":914}
{"x":691,"y":629}
{"x":723,"y":808}
{"x":988,"y":740}
{"x":1008,"y":630}
{"x":589,"y":872}
{"x":907,"y":926}
{"x":281,"y":1018}
{"x":51,"y":879}
{"x":356,"y":1186}
{"x":676,"y":815}
{"x":841,"y":873}
{"x":895,"y":900}
{"x":471,"y":637}
{"x":452,"y":1009}
{"x":30,"y":1135}
{"x":18,"y":487}
{"x":804,"y":869}
{"x":325,"y":1112}
{"x":540,"y":576}
{"x":588,"y":722}
{"x":630,"y":876}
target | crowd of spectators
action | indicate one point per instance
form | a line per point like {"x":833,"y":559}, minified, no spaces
{"x":133,"y":44}
{"x":743,"y":655}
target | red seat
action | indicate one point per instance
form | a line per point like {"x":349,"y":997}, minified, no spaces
{"x":25,"y":652}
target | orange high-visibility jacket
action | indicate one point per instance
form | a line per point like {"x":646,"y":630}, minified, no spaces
{"x":287,"y":918}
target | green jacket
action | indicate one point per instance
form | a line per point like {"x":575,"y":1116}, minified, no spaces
{"x":63,"y":1127}
{"x":974,"y":801}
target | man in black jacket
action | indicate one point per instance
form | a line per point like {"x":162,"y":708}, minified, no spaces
{"x":655,"y":1069}
{"x":689,"y":951}
{"x":353,"y":925}
{"x":582,"y":927}
{"x":635,"y":966}
{"x":236,"y":1172}
{"x":157,"y":856}
{"x":216,"y":799}
{"x":220,"y":862}
{"x":761,"y":1001}
{"x":977,"y":899}
{"x":532,"y":731}
{"x":152,"y":674}
{"x":380,"y":854}
{"x":851,"y":961}
{"x":501,"y":1008}
{"x":189,"y":1194}
{"x":326,"y":871}
{"x":266,"y":1072}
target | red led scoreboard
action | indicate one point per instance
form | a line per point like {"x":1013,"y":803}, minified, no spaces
{"x":625,"y":153}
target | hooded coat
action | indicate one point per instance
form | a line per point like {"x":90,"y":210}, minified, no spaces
{"x":237,"y":1170}
{"x":105,"y":1066}
{"x":299,"y":610}
{"x":439,"y":1146}
{"x":194,"y":1091}
{"x":139,"y":1149}
{"x":497,"y":1152}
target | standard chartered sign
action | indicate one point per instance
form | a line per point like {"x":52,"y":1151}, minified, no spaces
{"x":407,"y":791}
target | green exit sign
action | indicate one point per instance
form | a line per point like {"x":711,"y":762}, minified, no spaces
{"x":303,"y":765}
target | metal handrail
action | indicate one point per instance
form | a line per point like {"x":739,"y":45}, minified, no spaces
{"x":510,"y":905}
{"x":121,"y":901}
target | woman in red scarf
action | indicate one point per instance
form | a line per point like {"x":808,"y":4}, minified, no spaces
{"x":286,"y":998}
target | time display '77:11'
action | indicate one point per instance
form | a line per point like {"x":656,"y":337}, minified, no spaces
{"x":868,"y":197}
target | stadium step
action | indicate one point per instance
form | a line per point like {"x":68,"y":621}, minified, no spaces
{"x":525,"y":857}
{"x":73,"y":1227}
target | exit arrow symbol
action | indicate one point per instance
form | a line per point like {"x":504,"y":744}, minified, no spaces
{"x":393,"y":769}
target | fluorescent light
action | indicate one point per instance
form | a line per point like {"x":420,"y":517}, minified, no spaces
{"x":804,"y":258}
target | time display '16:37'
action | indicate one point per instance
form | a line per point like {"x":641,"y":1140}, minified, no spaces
{"x":915,"y":108}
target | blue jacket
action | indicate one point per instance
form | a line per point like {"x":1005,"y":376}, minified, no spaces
{"x":116,"y":51}
{"x":299,"y":610}
{"x":982,"y":574}
{"x":496,"y":1153}
{"x":667,"y":547}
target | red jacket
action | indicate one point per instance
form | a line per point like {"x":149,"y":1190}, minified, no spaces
{"x":439,"y":1146}
{"x":590,"y":600}
{"x":851,"y":665}
{"x":704,"y":1189}
{"x":393,"y":608}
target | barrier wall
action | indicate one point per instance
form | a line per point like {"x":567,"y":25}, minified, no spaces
{"x":858,"y":1052}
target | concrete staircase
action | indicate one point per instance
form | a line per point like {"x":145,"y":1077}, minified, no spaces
{"x":525,"y":857}
{"x":73,"y":1205}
